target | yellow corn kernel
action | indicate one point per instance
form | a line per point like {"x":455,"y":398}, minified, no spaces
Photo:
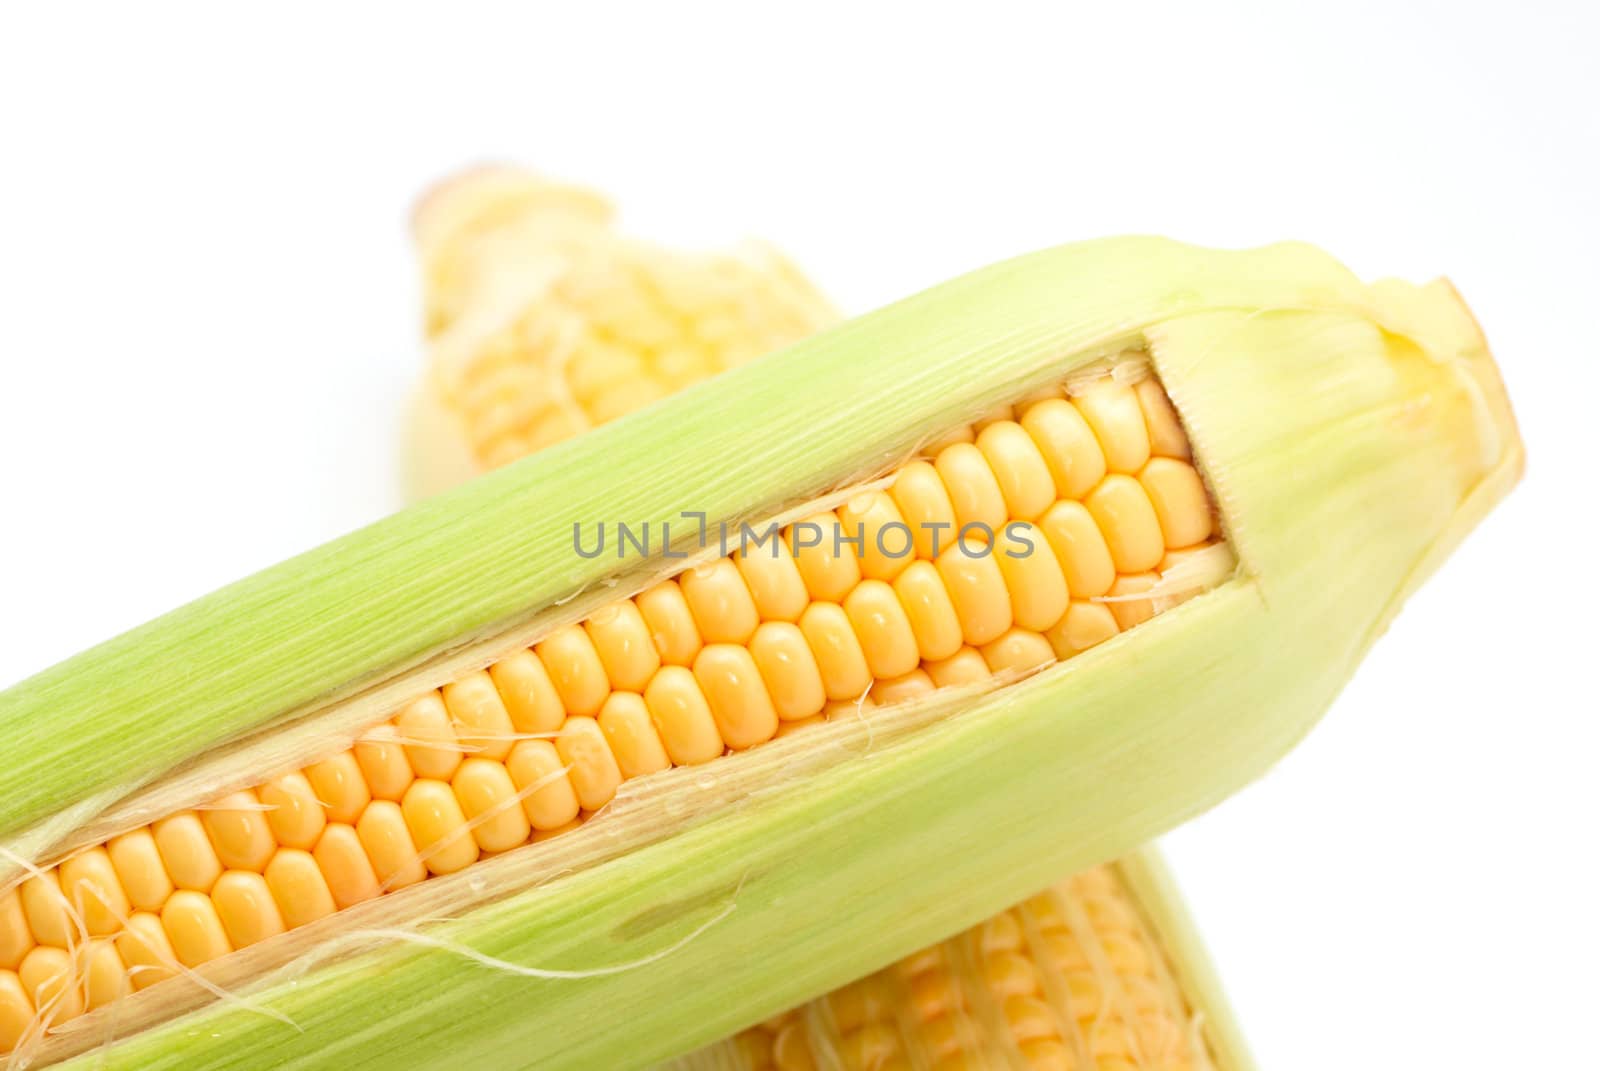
{"x":1019,"y":469}
{"x":966,"y":666}
{"x":438,"y":827}
{"x":1179,"y":500}
{"x":1125,"y":517}
{"x":788,"y":670}
{"x":834,"y":644}
{"x":1068,"y":446}
{"x":683,"y":717}
{"x":622,"y":640}
{"x":482,"y":723}
{"x":294,"y":814}
{"x":144,"y":947}
{"x":885,"y":545}
{"x":238,"y":829}
{"x":244,"y":904}
{"x":977,"y":590}
{"x":299,"y":887}
{"x":1113,"y":413}
{"x":1033,"y":578}
{"x":193,"y":928}
{"x":632,"y":738}
{"x":1167,"y":437}
{"x":672,"y":626}
{"x":724,"y":611}
{"x":880,"y":623}
{"x":738,"y":699}
{"x":526,"y":689}
{"x":928,"y":608}
{"x":488,"y":798}
{"x":16,"y":1010}
{"x":827,"y":565}
{"x":429,"y":738}
{"x":47,"y":910}
{"x":91,"y":886}
{"x":340,"y":787}
{"x":48,"y":976}
{"x":386,"y":840}
{"x":919,"y":493}
{"x":342,"y":858}
{"x":104,"y":974}
{"x":383,"y":764}
{"x":575,"y":670}
{"x":974,"y":491}
{"x":15,"y":937}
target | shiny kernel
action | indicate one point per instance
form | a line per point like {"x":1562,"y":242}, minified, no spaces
{"x":488,"y":798}
{"x":770,"y":572}
{"x":575,"y":670}
{"x":383,"y":764}
{"x":788,"y":670}
{"x":438,"y":828}
{"x":343,"y":861}
{"x":145,"y":949}
{"x":736,"y":695}
{"x":16,"y":1010}
{"x":105,"y":976}
{"x":974,"y":492}
{"x":1113,"y":413}
{"x":193,"y":928}
{"x":1080,"y":549}
{"x":528,"y":693}
{"x":246,"y":908}
{"x":723,"y":608}
{"x":1033,"y":577}
{"x":1019,"y":650}
{"x":48,"y":976}
{"x":553,"y":803}
{"x":593,"y":769}
{"x":239,"y":832}
{"x":912,"y":685}
{"x":1167,"y":438}
{"x":1131,"y":612}
{"x":428,"y":737}
{"x":388,"y":842}
{"x":1019,"y":468}
{"x":977,"y":590}
{"x":1179,"y":499}
{"x":838,"y":652}
{"x":632,"y":738}
{"x":928,"y":608}
{"x":622,"y":640}
{"x":966,"y":666}
{"x":45,"y":906}
{"x":299,"y":887}
{"x":1067,"y":443}
{"x":1084,"y":625}
{"x":186,"y":851}
{"x":880,"y":623}
{"x":828,"y":565}
{"x":1122,"y":512}
{"x":672,"y":626}
{"x":682,"y":718}
{"x":885,"y":544}
{"x":91,"y":886}
{"x":924,"y":504}
{"x":483,"y":725}
{"x":294,"y":815}
{"x":15,"y":937}
{"x":339,"y":786}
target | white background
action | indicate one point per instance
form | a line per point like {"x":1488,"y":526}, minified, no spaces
{"x":209,"y":321}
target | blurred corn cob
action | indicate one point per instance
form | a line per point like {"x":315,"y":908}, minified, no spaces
{"x":543,"y":321}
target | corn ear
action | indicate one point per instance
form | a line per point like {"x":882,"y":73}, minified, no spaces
{"x":1326,"y":415}
{"x":544,"y":321}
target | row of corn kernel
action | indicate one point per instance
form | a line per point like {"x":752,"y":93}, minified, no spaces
{"x":720,"y":656}
{"x":1070,"y":980}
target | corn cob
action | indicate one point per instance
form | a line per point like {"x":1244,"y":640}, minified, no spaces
{"x":1005,"y":962}
{"x":543,"y":322}
{"x":1076,"y":978}
{"x":483,"y":575}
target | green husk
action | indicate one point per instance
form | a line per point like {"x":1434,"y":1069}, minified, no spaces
{"x":1350,"y":434}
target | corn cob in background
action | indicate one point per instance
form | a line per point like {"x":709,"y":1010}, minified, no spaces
{"x":1075,"y":976}
{"x":543,"y":321}
{"x":1322,"y":414}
